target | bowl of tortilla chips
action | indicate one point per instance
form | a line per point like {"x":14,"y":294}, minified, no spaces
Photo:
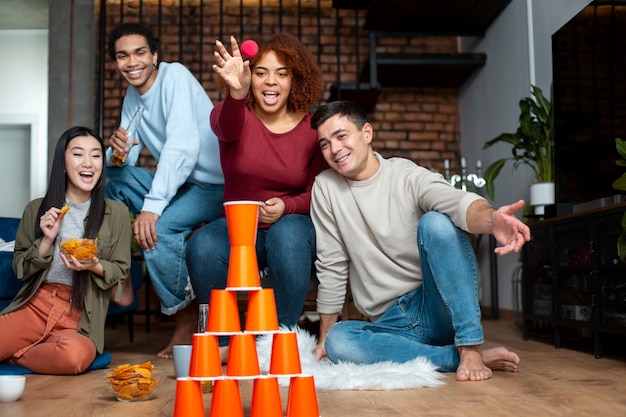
{"x":82,"y":249}
{"x":134,"y":382}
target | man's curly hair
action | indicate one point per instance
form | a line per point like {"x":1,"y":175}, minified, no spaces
{"x":307,"y":81}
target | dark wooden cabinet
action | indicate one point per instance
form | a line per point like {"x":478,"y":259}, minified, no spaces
{"x":572,"y":275}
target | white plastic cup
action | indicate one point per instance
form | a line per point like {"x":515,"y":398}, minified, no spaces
{"x":182,"y":358}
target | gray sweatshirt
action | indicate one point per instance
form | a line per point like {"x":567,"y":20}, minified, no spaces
{"x":366,"y":232}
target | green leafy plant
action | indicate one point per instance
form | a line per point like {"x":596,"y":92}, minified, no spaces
{"x":533,"y":142}
{"x":620,"y":184}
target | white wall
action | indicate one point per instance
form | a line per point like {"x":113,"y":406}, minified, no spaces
{"x":24,"y":101}
{"x":516,"y":57}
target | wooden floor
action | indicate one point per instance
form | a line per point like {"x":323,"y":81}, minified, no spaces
{"x":551,"y":382}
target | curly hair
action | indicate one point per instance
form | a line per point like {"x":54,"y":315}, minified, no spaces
{"x":307,"y":81}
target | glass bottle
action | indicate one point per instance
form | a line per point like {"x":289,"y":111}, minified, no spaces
{"x":119,"y":158}
{"x":203,"y":316}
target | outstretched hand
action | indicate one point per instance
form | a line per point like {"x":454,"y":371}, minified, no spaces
{"x":508,"y":230}
{"x":232,"y":68}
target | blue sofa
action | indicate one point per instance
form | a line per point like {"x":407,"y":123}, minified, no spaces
{"x":9,"y":284}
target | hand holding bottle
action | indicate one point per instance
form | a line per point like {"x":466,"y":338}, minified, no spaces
{"x":126,"y":136}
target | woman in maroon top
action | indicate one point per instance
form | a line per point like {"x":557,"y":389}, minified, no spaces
{"x":269,"y":153}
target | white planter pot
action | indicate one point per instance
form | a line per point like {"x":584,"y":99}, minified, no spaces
{"x":541,"y":193}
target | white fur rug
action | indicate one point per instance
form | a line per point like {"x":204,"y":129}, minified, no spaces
{"x":417,"y":373}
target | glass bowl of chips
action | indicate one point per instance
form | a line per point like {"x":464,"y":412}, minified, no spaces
{"x":134,"y":382}
{"x":83,"y":249}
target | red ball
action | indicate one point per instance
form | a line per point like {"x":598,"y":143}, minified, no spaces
{"x":249,"y":48}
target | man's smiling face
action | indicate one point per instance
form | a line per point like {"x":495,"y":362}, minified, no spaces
{"x":346,"y":148}
{"x":135,"y":62}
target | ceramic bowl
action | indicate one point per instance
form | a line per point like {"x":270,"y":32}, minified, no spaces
{"x":134,"y":386}
{"x":11,"y":387}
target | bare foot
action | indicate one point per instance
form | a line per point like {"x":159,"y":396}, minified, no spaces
{"x":477,"y":364}
{"x":186,"y":326}
{"x":471,"y":366}
{"x":500,"y":359}
{"x":128,"y":294}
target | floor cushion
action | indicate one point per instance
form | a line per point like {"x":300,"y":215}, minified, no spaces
{"x":100,"y":362}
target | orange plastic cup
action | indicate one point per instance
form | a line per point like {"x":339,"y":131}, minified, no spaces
{"x":205,"y":360}
{"x":285,"y":358}
{"x":223,"y":312}
{"x":242,"y":218}
{"x":243,"y":268}
{"x":188,"y":401}
{"x":242,"y":357}
{"x":266,"y":398}
{"x":302,"y":400}
{"x":261,"y":316}
{"x":226,"y":401}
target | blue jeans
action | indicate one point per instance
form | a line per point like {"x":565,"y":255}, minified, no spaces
{"x":192,"y":204}
{"x":430,"y":321}
{"x":287,"y":248}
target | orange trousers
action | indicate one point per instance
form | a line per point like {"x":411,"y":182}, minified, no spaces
{"x":42,"y":335}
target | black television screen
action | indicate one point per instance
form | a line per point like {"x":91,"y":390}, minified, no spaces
{"x":589,"y":93}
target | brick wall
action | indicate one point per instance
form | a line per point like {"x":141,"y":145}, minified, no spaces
{"x":419,"y":123}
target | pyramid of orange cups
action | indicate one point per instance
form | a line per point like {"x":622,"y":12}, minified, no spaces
{"x":243,"y":362}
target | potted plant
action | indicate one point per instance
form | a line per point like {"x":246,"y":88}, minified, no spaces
{"x":532,"y":144}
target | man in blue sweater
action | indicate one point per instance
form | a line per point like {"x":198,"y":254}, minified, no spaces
{"x":187,"y":187}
